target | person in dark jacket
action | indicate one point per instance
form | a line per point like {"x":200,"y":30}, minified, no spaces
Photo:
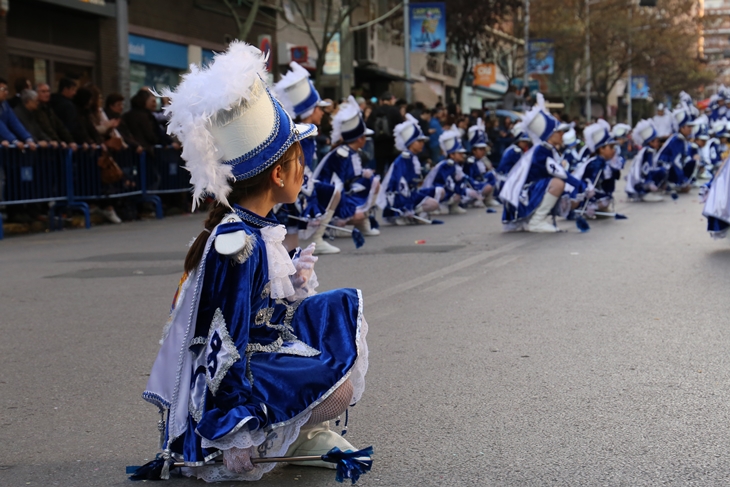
{"x":21,"y":84}
{"x":113,"y":108}
{"x":85,"y":132}
{"x":49,"y":121}
{"x":62,"y":103}
{"x":11,"y":130}
{"x":142,"y":123}
{"x":382,"y":121}
{"x":26,"y":113}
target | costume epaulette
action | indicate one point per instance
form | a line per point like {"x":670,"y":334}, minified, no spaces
{"x":471,"y":159}
{"x":343,"y":151}
{"x":236,"y":245}
{"x":405,"y":154}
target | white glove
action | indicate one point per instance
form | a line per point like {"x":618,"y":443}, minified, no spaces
{"x":238,"y":460}
{"x":590,"y":191}
{"x":304,"y":280}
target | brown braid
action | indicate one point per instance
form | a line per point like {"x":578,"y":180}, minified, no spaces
{"x":239,"y":190}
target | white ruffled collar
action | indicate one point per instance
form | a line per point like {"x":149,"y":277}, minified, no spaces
{"x":280,"y":264}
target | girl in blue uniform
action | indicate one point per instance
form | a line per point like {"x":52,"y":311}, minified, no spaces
{"x":535,"y":185}
{"x":342,"y":168}
{"x":448,"y":175}
{"x":400,"y":197}
{"x":477,"y":168}
{"x":596,"y":173}
{"x":252,"y":362}
{"x":316,"y":202}
{"x":646,"y":175}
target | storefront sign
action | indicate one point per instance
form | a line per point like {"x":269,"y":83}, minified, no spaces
{"x":485,"y":74}
{"x":160,"y":53}
{"x":332,"y":56}
{"x":428,"y":27}
{"x":541,"y":58}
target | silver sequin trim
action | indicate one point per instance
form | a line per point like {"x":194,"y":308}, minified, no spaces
{"x":263,"y":316}
{"x":220,"y":323}
{"x":198,"y":341}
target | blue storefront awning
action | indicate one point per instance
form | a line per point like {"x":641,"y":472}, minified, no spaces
{"x":160,"y":53}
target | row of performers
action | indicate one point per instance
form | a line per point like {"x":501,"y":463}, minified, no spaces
{"x":545,"y":173}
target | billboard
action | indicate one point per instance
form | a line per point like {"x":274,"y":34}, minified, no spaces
{"x":428,"y":27}
{"x":639,"y":87}
{"x":485,"y":75}
{"x":541,"y":56}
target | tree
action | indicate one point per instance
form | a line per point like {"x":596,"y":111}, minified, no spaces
{"x":465,"y":30}
{"x":244,"y":13}
{"x":335,"y":12}
{"x":657,"y":42}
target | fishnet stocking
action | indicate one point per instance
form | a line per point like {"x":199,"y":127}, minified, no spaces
{"x":334,"y":405}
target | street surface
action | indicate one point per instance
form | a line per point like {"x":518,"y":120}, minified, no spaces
{"x":495,"y":359}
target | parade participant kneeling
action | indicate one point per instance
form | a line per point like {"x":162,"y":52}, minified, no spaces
{"x":596,"y":172}
{"x":512,"y":154}
{"x":674,"y":152}
{"x":342,"y":167}
{"x":478,"y":168}
{"x":570,"y":155}
{"x":646,"y":176}
{"x":316,"y":202}
{"x":536,"y":184}
{"x":716,"y":196}
{"x":399,"y":197}
{"x":252,"y":363}
{"x":448,"y":175}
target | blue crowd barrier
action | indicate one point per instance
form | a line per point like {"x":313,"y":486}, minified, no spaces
{"x":70,"y":179}
{"x":167,"y":168}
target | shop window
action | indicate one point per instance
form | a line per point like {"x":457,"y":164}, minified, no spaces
{"x":152,"y":76}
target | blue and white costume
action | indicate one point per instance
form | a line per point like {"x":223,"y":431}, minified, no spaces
{"x":400,"y":196}
{"x":596,"y":172}
{"x":310,"y":214}
{"x":448,"y":175}
{"x":570,"y":155}
{"x":511,"y":156}
{"x":342,"y":166}
{"x":527,"y":202}
{"x":674,"y":152}
{"x":248,"y":353}
{"x":717,"y":202}
{"x":646,"y":175}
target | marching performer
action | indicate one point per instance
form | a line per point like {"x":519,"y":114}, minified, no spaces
{"x":673,"y":153}
{"x":342,"y":167}
{"x":251,"y":363}
{"x":646,"y":175}
{"x":535,"y":185}
{"x":596,"y":172}
{"x":478,"y":168}
{"x":449,"y":173}
{"x":570,"y":154}
{"x":316,"y":203}
{"x":400,"y":197}
{"x":717,"y":204}
{"x":512,"y":154}
{"x":663,"y":122}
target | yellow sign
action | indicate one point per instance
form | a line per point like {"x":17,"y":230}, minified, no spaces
{"x":485,"y":74}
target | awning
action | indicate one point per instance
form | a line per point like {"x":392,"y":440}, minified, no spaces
{"x":382,"y":72}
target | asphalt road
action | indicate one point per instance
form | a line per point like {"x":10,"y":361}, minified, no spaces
{"x":495,"y":359}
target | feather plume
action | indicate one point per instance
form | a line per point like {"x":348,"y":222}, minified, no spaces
{"x":400,"y":143}
{"x":642,"y":131}
{"x":201,"y":95}
{"x":594,"y":133}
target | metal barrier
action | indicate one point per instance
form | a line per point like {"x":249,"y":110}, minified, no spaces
{"x":167,"y":167}
{"x":70,"y":179}
{"x":31,"y":177}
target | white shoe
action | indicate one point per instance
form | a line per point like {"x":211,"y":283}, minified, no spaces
{"x":478,"y":204}
{"x":111,"y":215}
{"x":366,"y":229}
{"x":317,"y":440}
{"x":539,"y":221}
{"x":322,"y":247}
{"x":401,"y":221}
{"x":455,"y":209}
{"x":494,"y":203}
{"x":652,"y":198}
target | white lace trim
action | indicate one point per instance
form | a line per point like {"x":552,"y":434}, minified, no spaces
{"x":274,"y":444}
{"x":280,"y":264}
{"x":360,"y":367}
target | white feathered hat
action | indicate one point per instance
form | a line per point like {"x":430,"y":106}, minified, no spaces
{"x":297,"y":93}
{"x":620,"y":130}
{"x":450,"y":141}
{"x":598,"y":134}
{"x":348,"y":124}
{"x":230,"y":126}
{"x":539,"y":123}
{"x":407,"y":132}
{"x":644,"y":132}
{"x":570,"y":138}
{"x":478,"y":134}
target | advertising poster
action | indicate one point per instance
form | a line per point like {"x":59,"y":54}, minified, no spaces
{"x":541,"y":56}
{"x":485,"y":75}
{"x":639,"y":87}
{"x":428,"y":27}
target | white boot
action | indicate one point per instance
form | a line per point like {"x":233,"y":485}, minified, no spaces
{"x":317,"y":439}
{"x":652,"y":198}
{"x":455,"y":209}
{"x":366,"y":229}
{"x":322,"y":247}
{"x":539,"y":221}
